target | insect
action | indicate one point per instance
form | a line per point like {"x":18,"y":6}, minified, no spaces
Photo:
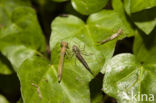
{"x":38,"y":90}
{"x":112,"y":37}
{"x":78,"y":55}
{"x":64,"y":15}
{"x":64,"y":46}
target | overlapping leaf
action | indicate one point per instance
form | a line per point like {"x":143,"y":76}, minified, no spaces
{"x":142,"y":13}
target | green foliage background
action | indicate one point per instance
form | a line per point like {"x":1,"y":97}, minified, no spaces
{"x":30,"y":36}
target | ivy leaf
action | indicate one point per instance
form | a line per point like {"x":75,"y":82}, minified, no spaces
{"x":20,"y":25}
{"x":43,"y":87}
{"x":142,"y":15}
{"x":127,"y":80}
{"x":88,"y":6}
{"x":24,"y":29}
{"x":22,"y":36}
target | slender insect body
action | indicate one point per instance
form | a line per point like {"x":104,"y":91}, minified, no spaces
{"x":64,"y":46}
{"x":112,"y":37}
{"x":78,"y":55}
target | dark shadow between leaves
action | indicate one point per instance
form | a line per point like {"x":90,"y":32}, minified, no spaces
{"x":149,"y":40}
{"x":144,"y":15}
{"x":4,"y":60}
{"x":10,"y":87}
{"x":124,"y":46}
{"x":96,"y":89}
{"x":96,"y":85}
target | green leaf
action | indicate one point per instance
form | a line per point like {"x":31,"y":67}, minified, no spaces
{"x":88,"y":6}
{"x":5,"y":67}
{"x":143,"y":15}
{"x":6,"y":9}
{"x":127,"y":80}
{"x":3,"y":99}
{"x":19,"y":25}
{"x":145,"y":47}
{"x":24,"y":29}
{"x":43,"y":87}
{"x":22,"y":38}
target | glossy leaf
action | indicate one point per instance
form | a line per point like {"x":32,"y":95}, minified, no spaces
{"x":88,"y":6}
{"x":127,"y":80}
{"x":142,"y":15}
{"x":43,"y":87}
